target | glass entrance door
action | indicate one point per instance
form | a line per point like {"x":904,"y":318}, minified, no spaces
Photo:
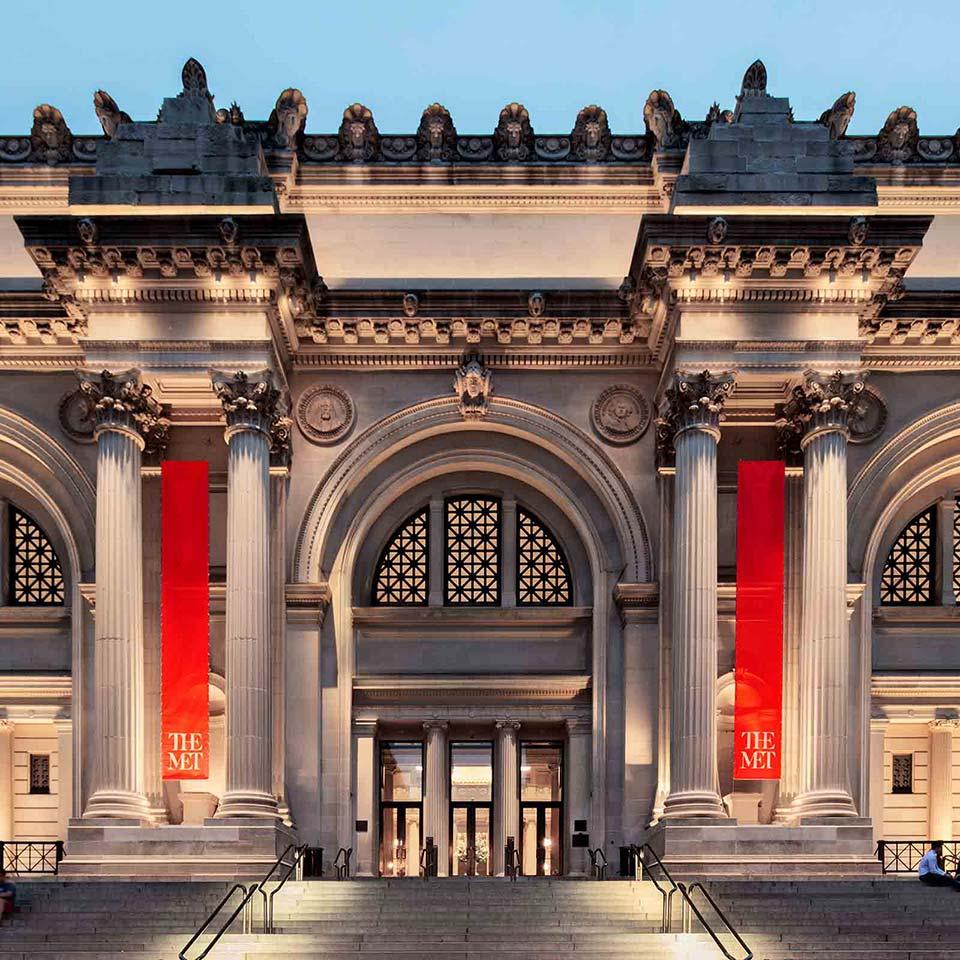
{"x":471,"y":808}
{"x":401,"y":808}
{"x":541,"y":809}
{"x":470,"y":840}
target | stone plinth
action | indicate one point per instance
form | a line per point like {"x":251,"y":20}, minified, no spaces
{"x":817,"y":847}
{"x":240,"y":848}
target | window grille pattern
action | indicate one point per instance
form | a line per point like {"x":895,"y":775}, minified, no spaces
{"x":903,"y":773}
{"x":956,"y":550}
{"x":908,"y":574}
{"x":402,"y":574}
{"x":542,"y":573}
{"x":35,"y":575}
{"x":472,"y":551}
{"x":39,"y":773}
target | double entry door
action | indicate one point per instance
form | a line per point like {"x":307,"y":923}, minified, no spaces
{"x":470,"y":839}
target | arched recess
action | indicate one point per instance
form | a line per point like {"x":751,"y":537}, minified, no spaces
{"x":515,"y":440}
{"x":915,"y":467}
{"x":39,"y":475}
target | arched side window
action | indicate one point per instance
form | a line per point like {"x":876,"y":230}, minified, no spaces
{"x":543,"y":576}
{"x":472,"y":539}
{"x":909,"y":574}
{"x":36,"y":578}
{"x":402,"y":575}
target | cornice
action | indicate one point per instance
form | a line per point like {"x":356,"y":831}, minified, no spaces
{"x":494,"y":689}
{"x":625,"y":358}
{"x":469,"y":617}
{"x":35,"y":689}
{"x":307,"y":602}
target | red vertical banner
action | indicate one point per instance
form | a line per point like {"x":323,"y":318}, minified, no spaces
{"x":758,"y":714}
{"x":185,"y":620}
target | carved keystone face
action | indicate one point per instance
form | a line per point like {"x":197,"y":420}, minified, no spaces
{"x":358,"y":134}
{"x":513,"y":132}
{"x":474,"y":384}
{"x":591,"y":133}
{"x":435,"y":133}
{"x":290,"y":121}
{"x":48,"y":133}
{"x":899,"y":135}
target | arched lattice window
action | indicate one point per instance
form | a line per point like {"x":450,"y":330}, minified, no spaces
{"x":909,"y":575}
{"x":401,"y":578}
{"x":35,"y":575}
{"x":543,"y":577}
{"x":472,"y":551}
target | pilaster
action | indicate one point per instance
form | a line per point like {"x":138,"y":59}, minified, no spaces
{"x":940,"y":787}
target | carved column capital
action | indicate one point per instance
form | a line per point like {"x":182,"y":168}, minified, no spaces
{"x":693,"y":401}
{"x":508,"y":727}
{"x":123,"y":403}
{"x":441,"y":725}
{"x":822,"y":403}
{"x":944,"y":723}
{"x":251,"y":401}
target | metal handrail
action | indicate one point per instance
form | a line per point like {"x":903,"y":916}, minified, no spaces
{"x":597,"y":868}
{"x":248,"y":894}
{"x":31,"y":856}
{"x":343,"y":868}
{"x":269,"y":895}
{"x":686,"y":892}
{"x":666,"y":920}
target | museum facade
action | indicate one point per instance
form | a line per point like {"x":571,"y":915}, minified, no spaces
{"x":471,"y":410}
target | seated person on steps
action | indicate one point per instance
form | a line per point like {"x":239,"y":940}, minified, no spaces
{"x":931,"y":870}
{"x":8,"y":894}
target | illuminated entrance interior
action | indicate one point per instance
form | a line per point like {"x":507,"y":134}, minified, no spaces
{"x":471,"y":809}
{"x":541,"y":811}
{"x":401,"y":808}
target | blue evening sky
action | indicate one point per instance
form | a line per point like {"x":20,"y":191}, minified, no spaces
{"x":555,"y":57}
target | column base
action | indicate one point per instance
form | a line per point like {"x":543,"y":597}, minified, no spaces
{"x":248,"y":803}
{"x":694,"y":803}
{"x":118,"y":804}
{"x":823,"y":803}
{"x":216,"y":850}
{"x":696,"y":848}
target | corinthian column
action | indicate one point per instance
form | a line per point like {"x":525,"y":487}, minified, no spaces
{"x":251,"y":405}
{"x":818,"y":412}
{"x":126,"y":416}
{"x":690,"y":420}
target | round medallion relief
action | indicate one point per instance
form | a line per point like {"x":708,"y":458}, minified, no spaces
{"x":620,"y":414}
{"x":868,"y":416}
{"x":325,"y":414}
{"x":77,"y":416}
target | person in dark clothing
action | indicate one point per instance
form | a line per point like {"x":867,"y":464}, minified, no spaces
{"x":8,"y":895}
{"x":931,"y":870}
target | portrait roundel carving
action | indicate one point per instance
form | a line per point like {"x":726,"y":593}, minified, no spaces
{"x":325,"y":414}
{"x":77,"y":416}
{"x":620,"y":414}
{"x":868,"y":416}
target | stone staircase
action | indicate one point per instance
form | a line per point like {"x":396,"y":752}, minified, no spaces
{"x":479,"y":919}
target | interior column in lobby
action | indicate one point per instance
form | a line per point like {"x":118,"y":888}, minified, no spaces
{"x":252,"y":406}
{"x":818,"y":413}
{"x":940,"y":787}
{"x":506,"y":813}
{"x":126,"y":417}
{"x":436,"y":801}
{"x":690,"y":420}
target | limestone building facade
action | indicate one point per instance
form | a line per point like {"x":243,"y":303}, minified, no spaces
{"x":472,"y":406}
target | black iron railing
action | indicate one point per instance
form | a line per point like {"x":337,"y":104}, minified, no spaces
{"x":279,"y":877}
{"x":31,"y":856}
{"x":903,"y":856}
{"x":648,"y":861}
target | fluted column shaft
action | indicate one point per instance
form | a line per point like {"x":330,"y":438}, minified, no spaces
{"x":506,"y":812}
{"x":118,"y":639}
{"x":690,"y":423}
{"x":249,"y":658}
{"x":824,"y":640}
{"x":152,"y":774}
{"x":436,"y":804}
{"x":940,"y":787}
{"x":792,"y":605}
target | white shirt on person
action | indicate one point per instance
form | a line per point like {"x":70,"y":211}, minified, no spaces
{"x":928,"y":864}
